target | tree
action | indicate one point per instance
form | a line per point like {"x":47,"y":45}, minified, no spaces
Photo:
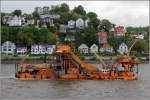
{"x":87,"y":36}
{"x":116,"y":41}
{"x":26,"y":36}
{"x":17,"y":12}
{"x":74,"y":15}
{"x":64,"y":17}
{"x":2,"y":17}
{"x":94,"y":22}
{"x":36,"y":16}
{"x":141,"y":46}
{"x":105,"y":25}
{"x":79,"y":10}
{"x":64,"y":7}
{"x":91,"y":15}
{"x":4,"y":34}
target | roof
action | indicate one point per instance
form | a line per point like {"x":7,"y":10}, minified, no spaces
{"x":79,"y":20}
{"x":93,"y":45}
{"x":119,"y":29}
{"x":8,"y":42}
{"x":70,"y":21}
{"x":106,"y":46}
{"x":21,"y":46}
{"x":83,"y":46}
{"x":123,"y":44}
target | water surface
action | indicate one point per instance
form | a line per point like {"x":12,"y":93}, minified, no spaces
{"x":13,"y":89}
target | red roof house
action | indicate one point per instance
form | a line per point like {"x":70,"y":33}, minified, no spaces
{"x":119,"y":31}
{"x":102,"y":37}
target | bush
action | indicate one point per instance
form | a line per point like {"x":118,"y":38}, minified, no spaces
{"x":93,"y":58}
{"x":82,"y":57}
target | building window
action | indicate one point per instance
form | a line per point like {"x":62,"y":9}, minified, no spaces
{"x":9,"y":49}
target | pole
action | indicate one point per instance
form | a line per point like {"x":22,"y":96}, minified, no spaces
{"x":45,"y":55}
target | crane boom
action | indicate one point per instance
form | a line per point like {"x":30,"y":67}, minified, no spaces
{"x":100,"y":59}
{"x":129,"y":50}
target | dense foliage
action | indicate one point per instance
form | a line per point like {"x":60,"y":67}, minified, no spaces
{"x":26,"y":35}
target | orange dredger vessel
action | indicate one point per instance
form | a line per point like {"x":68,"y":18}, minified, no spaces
{"x":66,"y":65}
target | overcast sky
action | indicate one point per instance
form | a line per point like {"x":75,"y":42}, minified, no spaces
{"x":127,"y":13}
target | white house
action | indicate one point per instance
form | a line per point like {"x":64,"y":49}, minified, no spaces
{"x":83,"y":48}
{"x":30,"y":22}
{"x":80,"y":23}
{"x":35,"y":49}
{"x":141,"y":36}
{"x":8,"y":48}
{"x":42,"y":49}
{"x":94,"y":48}
{"x":21,"y":50}
{"x":69,"y":38}
{"x":50,"y":49}
{"x":106,"y":48}
{"x":15,"y":21}
{"x":123,"y":48}
{"x":71,"y":24}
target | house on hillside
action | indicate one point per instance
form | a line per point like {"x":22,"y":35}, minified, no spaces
{"x":106,"y":48}
{"x":45,"y":10}
{"x":94,"y":48}
{"x":50,"y":49}
{"x":14,"y":21}
{"x":119,"y":31}
{"x":47,"y":20}
{"x":69,"y":37}
{"x":71,"y":24}
{"x":42,"y":49}
{"x":30,"y":22}
{"x":102,"y":37}
{"x":80,"y":23}
{"x":63,"y":28}
{"x":83,"y":49}
{"x":35,"y":49}
{"x":8,"y":48}
{"x":123,"y":48}
{"x":21,"y":50}
{"x":141,"y":36}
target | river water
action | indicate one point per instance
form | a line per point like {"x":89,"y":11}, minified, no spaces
{"x":14,"y":89}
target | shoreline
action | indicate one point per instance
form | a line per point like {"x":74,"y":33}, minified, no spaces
{"x":40,"y":59}
{"x":48,"y":61}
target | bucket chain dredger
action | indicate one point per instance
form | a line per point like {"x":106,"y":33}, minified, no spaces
{"x":65,"y":64}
